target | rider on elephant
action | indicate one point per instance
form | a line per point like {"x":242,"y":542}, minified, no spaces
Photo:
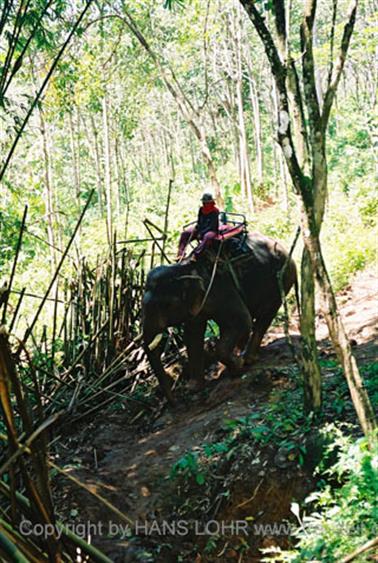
{"x":205,"y":230}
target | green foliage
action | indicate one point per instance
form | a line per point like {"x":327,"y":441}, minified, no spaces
{"x":170,"y":4}
{"x":155,"y":142}
{"x":188,"y":467}
{"x":212,"y":329}
{"x":370,"y":373}
{"x":345,"y":517}
{"x":341,"y":513}
{"x":349,"y":235}
{"x":348,"y":232}
{"x":281,"y":423}
{"x":275,"y":222}
{"x":9,"y":228}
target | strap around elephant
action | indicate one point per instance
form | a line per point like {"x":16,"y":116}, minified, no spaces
{"x":215,"y":266}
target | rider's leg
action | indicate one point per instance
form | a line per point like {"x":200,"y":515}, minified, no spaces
{"x":205,"y":242}
{"x":189,"y":234}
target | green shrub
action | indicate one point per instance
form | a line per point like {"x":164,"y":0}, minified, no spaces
{"x":343,"y":518}
{"x":348,"y":237}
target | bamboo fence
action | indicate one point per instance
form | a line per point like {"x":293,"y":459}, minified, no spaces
{"x":90,"y":356}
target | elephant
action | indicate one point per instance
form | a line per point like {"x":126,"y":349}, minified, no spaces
{"x":242,"y":299}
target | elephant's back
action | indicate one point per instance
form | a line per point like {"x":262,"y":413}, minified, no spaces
{"x":259,"y":278}
{"x":265,"y":251}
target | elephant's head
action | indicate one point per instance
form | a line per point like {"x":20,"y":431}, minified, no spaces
{"x":173,"y":295}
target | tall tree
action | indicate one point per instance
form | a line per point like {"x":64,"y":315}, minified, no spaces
{"x":311,"y":184}
{"x":190,"y":113}
{"x":15,"y":15}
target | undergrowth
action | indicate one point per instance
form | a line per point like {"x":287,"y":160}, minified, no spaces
{"x":280,"y":422}
{"x":344,"y":511}
{"x":347,"y":470}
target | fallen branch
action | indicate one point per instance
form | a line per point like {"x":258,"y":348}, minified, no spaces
{"x":103,"y":500}
{"x":365,"y":547}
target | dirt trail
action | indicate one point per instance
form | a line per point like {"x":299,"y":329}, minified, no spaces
{"x":359,"y":309}
{"x":130,"y":464}
{"x":358,"y":304}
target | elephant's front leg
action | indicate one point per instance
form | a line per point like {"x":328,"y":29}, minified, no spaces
{"x":262,"y":323}
{"x":194,"y":335}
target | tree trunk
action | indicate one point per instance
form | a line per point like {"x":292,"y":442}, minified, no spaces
{"x":295,"y":115}
{"x":227,"y":99}
{"x":125,"y":192}
{"x":313,"y":190}
{"x":118,"y":175}
{"x":340,"y":341}
{"x":206,"y":154}
{"x":108,"y":180}
{"x":245,"y":169}
{"x":284,"y":185}
{"x":282,"y":193}
{"x":75,"y":160}
{"x":257,"y":127}
{"x":97,"y":159}
{"x":311,"y":372}
{"x":189,"y":113}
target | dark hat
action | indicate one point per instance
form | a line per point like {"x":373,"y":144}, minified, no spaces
{"x":207,"y":197}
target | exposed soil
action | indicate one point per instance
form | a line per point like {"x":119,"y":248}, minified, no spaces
{"x":129,"y":462}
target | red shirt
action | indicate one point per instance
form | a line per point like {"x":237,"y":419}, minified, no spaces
{"x":208,"y":218}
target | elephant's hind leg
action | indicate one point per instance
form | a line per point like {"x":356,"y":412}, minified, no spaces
{"x":232,"y":337}
{"x":261,"y":325}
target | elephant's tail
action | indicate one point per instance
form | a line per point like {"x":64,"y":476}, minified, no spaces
{"x":296,"y":287}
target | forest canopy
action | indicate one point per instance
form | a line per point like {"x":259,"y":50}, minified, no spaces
{"x":107,"y":122}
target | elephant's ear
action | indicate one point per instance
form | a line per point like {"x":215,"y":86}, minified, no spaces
{"x":193,"y":291}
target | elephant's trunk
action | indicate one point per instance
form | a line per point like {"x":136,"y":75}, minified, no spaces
{"x":152,"y":340}
{"x":155,"y":343}
{"x":157,"y":366}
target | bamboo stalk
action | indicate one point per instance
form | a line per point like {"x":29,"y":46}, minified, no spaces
{"x":27,"y":294}
{"x":30,"y":328}
{"x":28,"y":232}
{"x":33,"y":553}
{"x":165,"y":228}
{"x":147,"y":223}
{"x":90,"y":550}
{"x":39,"y":496}
{"x":10,"y":550}
{"x":16,"y":311}
{"x":18,"y":247}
